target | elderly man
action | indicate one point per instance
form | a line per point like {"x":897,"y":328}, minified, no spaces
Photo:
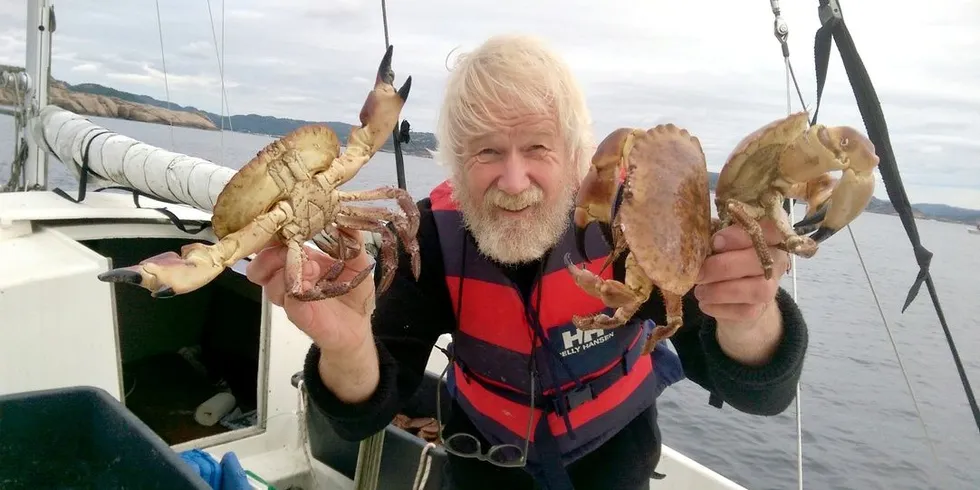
{"x":515,"y":133}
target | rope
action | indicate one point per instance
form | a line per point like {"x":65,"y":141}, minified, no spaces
{"x":304,"y":434}
{"x":425,"y":464}
{"x":166,"y":82}
{"x":17,"y":81}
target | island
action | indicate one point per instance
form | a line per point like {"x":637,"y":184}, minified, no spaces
{"x":92,"y":99}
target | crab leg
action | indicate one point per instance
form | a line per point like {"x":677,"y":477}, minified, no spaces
{"x":401,"y":196}
{"x":335,"y":242}
{"x":747,"y":217}
{"x":378,"y":118}
{"x":389,"y":257}
{"x":407,"y":226}
{"x":625,"y":297}
{"x":168,"y":274}
{"x":675,"y":320}
{"x":326,"y":287}
{"x":374,"y":214}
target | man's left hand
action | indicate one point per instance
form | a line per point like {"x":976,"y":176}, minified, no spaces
{"x":732,"y":287}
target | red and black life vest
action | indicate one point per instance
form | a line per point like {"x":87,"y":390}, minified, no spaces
{"x":605,"y":382}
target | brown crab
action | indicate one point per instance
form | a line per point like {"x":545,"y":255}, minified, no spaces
{"x":425,"y":428}
{"x":788,"y":158}
{"x":664,"y":219}
{"x":289,"y":193}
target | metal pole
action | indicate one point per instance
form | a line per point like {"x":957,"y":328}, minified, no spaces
{"x":40,"y":24}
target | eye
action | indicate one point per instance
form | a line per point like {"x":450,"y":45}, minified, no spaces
{"x":843,"y":142}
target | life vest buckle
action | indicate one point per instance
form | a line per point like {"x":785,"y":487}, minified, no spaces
{"x":576,"y":397}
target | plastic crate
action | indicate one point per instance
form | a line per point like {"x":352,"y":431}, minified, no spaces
{"x":402,"y":450}
{"x":81,"y":437}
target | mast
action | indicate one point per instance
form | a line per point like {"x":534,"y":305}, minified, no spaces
{"x":40,"y":26}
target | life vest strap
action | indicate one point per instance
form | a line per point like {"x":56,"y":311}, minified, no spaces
{"x":591,"y":389}
{"x":575,"y":397}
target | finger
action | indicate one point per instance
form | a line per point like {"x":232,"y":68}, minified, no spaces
{"x":734,"y":264}
{"x":737,"y":312}
{"x":265,"y":264}
{"x":746,"y":290}
{"x":275,"y":287}
{"x":734,"y":237}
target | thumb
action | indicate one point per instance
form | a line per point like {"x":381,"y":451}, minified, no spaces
{"x":734,"y":237}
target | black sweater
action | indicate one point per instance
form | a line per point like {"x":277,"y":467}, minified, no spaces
{"x":411,"y":316}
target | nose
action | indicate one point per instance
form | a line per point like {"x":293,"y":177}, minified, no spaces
{"x":515,"y":178}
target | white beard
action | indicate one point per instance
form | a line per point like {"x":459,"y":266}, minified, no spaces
{"x":515,"y":240}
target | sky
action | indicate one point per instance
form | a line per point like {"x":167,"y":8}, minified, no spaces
{"x":712,"y":66}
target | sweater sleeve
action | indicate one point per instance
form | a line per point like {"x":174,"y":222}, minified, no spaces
{"x":761,"y":390}
{"x":408,"y":319}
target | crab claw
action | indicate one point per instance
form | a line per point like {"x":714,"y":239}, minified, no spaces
{"x":385,"y":75}
{"x":597,"y":192}
{"x":855,"y":188}
{"x":381,"y":109}
{"x":406,"y":87}
{"x":168,"y":274}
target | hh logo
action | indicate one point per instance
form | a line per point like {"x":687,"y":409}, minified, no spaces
{"x":579,"y":340}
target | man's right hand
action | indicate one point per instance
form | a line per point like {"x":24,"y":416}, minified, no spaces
{"x":339,"y":326}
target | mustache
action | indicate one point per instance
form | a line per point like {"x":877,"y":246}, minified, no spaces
{"x":514,"y":202}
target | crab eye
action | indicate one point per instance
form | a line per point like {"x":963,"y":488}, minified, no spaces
{"x":843,"y":142}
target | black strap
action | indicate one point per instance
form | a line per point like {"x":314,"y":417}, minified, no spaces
{"x":553,"y":472}
{"x":85,"y":170}
{"x":833,"y":26}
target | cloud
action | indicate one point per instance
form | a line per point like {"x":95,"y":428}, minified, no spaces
{"x":711,"y":65}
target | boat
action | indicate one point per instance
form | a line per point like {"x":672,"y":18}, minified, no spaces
{"x":115,"y":340}
{"x":65,"y":328}
{"x":975,"y":230}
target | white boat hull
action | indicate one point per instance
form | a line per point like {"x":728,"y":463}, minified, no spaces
{"x":43,"y":261}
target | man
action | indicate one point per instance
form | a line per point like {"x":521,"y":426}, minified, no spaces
{"x":515,"y":133}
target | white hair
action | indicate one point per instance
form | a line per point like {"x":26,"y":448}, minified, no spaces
{"x":517,"y":72}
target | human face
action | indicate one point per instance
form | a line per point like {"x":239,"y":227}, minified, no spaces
{"x":516,"y":187}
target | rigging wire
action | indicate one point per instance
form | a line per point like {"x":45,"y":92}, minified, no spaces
{"x":166,"y":83}
{"x":781,"y":31}
{"x":220,"y":56}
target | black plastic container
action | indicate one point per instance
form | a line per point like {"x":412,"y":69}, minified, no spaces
{"x":82,"y":438}
{"x":400,"y":457}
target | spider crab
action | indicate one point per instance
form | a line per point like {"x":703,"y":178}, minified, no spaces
{"x":664,"y":218}
{"x":788,"y":158}
{"x":288,"y":193}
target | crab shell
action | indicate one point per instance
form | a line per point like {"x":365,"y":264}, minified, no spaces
{"x":253,"y":190}
{"x":665,"y":215}
{"x":738,"y":181}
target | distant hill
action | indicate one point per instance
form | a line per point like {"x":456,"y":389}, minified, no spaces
{"x":419,"y":145}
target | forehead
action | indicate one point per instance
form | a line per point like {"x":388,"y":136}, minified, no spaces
{"x":518,"y":126}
